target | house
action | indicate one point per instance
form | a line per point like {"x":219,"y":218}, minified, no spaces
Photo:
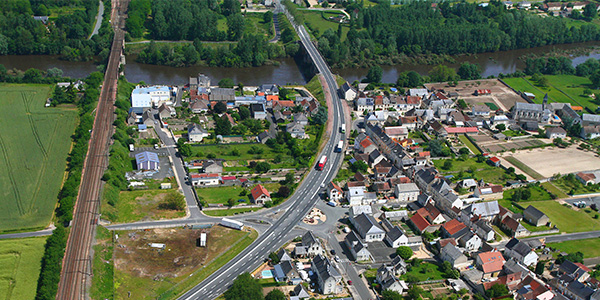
{"x":165,"y":112}
{"x":454,"y":229}
{"x":364,"y":104}
{"x":470,"y":241}
{"x":396,"y":237}
{"x":514,"y":227}
{"x":484,"y":230}
{"x":258,"y":111}
{"x":285,"y":272}
{"x":268,"y":89}
{"x":397,"y":215}
{"x":199,"y":106}
{"x":368,"y":228}
{"x":480,"y":110}
{"x":146,"y":161}
{"x":205,"y":179}
{"x":421,"y":225}
{"x":309,"y":246}
{"x":360,"y":209}
{"x":260,"y":195}
{"x":300,"y":118}
{"x":535,"y":217}
{"x":521,"y":252}
{"x":406,"y":192}
{"x":328,"y":277}
{"x":588,"y":178}
{"x":366,"y":146}
{"x":348,"y":92}
{"x":494,"y":161}
{"x":300,"y":292}
{"x":555,"y":132}
{"x":196,"y":133}
{"x":575,"y":271}
{"x":388,"y":281}
{"x":589,"y":119}
{"x":490,"y":263}
{"x":357,"y":248}
{"x":452,"y":255}
{"x":418,"y":92}
{"x":296,"y":130}
{"x":490,"y":192}
{"x":531,"y":112}
{"x":590,"y":132}
{"x":431,"y":213}
{"x":375,"y":157}
{"x":148,"y":119}
{"x":43,"y":19}
{"x":356,"y":195}
{"x":150,"y":96}
{"x":334,"y":192}
{"x":222,"y":95}
{"x":578,"y":291}
{"x":283,"y":255}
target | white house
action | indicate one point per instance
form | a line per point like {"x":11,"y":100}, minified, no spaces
{"x":407,"y":192}
{"x":470,"y":241}
{"x":368,"y":228}
{"x":153,"y":95}
{"x":348,"y":92}
{"x":205,"y":179}
{"x":396,"y":237}
{"x":358,"y":249}
{"x":196,"y":133}
{"x":329,"y":278}
{"x":521,"y":252}
{"x":334,"y":192}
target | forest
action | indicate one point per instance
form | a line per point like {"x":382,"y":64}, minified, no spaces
{"x":385,"y":34}
{"x":66,"y":32}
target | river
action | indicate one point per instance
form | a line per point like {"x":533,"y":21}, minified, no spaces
{"x":287,"y":72}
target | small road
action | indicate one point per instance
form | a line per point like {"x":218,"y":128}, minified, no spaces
{"x":19,"y":235}
{"x":99,"y":16}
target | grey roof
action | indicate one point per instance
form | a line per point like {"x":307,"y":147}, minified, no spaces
{"x":407,"y":187}
{"x":367,"y":224}
{"x":580,"y":290}
{"x":283,"y":255}
{"x":468,"y":236}
{"x":300,"y":250}
{"x":484,"y":208}
{"x":146,"y":156}
{"x":308,"y":239}
{"x":395,"y":233}
{"x":511,"y":266}
{"x":518,"y":246}
{"x":534,"y":212}
{"x":451,"y":251}
{"x":398,"y":263}
{"x":484,"y":225}
{"x":287,"y":267}
{"x":557,"y":130}
{"x":300,"y":292}
{"x":527,"y":106}
{"x":568,"y":267}
{"x":355,"y":242}
{"x":196,"y":129}
{"x":591,"y":118}
{"x":324,"y":268}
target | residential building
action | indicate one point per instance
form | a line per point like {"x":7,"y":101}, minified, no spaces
{"x":389,"y":282}
{"x":490,"y":263}
{"x":521,"y":252}
{"x":260,"y":195}
{"x":165,"y":112}
{"x":454,"y":229}
{"x":222,"y":94}
{"x":555,"y":132}
{"x":300,"y":292}
{"x":490,"y":192}
{"x":150,"y":96}
{"x":296,"y":130}
{"x":535,"y":217}
{"x":258,"y":111}
{"x":283,"y":255}
{"x":484,"y":230}
{"x":196,"y":133}
{"x":397,"y":215}
{"x":147,"y":161}
{"x":359,"y":209}
{"x":452,"y":255}
{"x":480,"y":110}
{"x":348,"y":92}
{"x":334,"y":192}
{"x":395,"y":237}
{"x":311,"y":246}
{"x":589,"y":119}
{"x":406,"y":192}
{"x":588,"y":177}
{"x":470,"y":241}
{"x":431,"y":213}
{"x":368,"y":228}
{"x":205,"y":179}
{"x":328,"y":277}
{"x":286,"y":272}
{"x":358,"y":249}
{"x":420,"y":224}
{"x":590,"y":132}
{"x":514,"y":227}
{"x":483,"y":210}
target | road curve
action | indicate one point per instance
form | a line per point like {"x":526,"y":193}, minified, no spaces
{"x":76,"y":270}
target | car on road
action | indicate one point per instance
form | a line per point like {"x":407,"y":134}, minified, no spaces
{"x":332,"y":252}
{"x":156,"y":146}
{"x":349,"y":282}
{"x":337,"y":258}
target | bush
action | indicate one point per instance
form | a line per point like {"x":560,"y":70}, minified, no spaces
{"x":173,"y":201}
{"x":405,"y":252}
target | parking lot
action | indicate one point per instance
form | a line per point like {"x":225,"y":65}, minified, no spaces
{"x":587,"y":200}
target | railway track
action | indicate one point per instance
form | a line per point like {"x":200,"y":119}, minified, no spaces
{"x":76,"y":271}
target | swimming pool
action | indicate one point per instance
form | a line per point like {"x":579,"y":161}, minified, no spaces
{"x":267,"y":274}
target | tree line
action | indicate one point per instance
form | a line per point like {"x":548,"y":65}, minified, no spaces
{"x":385,"y":34}
{"x":55,"y":244}
{"x":65,"y":35}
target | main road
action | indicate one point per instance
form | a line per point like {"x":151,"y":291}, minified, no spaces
{"x":299,"y":204}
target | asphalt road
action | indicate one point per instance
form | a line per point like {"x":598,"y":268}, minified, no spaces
{"x":299,"y":204}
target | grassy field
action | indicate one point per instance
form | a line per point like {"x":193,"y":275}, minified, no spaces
{"x":561,"y":88}
{"x":537,"y":193}
{"x":424,"y":271}
{"x":220,"y":195}
{"x":589,"y":247}
{"x":315,"y":21}
{"x":523,"y":167}
{"x":137,"y":205}
{"x":229,"y":211}
{"x":20,"y":263}
{"x":482,"y":170}
{"x":255,"y":24}
{"x":565,"y":218}
{"x":463,"y":138}
{"x":103,"y":266}
{"x":554,"y":190}
{"x":34,"y":144}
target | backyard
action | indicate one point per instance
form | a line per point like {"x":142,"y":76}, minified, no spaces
{"x":21,"y":261}
{"x":423,"y":272}
{"x":34,"y":144}
{"x":220,"y":195}
{"x":565,"y":218}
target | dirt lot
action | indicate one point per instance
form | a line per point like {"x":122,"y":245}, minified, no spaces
{"x":502,"y":96}
{"x":491,"y":145}
{"x":146,"y":272}
{"x":554,"y":160}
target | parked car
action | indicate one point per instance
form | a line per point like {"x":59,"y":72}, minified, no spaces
{"x":332,"y":252}
{"x":350,"y":282}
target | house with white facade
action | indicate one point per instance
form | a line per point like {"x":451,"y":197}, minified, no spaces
{"x":406,"y":192}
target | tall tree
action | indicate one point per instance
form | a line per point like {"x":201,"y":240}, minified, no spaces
{"x":244,"y":287}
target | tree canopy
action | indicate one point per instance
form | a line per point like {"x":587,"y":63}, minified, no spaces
{"x":244,"y":287}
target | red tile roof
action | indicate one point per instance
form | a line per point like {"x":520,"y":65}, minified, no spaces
{"x":419,"y":222}
{"x":453,"y":226}
{"x":491,"y":261}
{"x":258,"y":191}
{"x":366,"y":143}
{"x":452,"y":130}
{"x":337,"y":187}
{"x":494,"y":159}
{"x":228,"y":178}
{"x":586,"y":176}
{"x":272,"y":97}
{"x":424,"y":154}
{"x":444,"y":242}
{"x":204,"y":175}
{"x":413,"y":99}
{"x":429,"y":212}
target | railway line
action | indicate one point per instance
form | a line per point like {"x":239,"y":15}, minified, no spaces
{"x":76,"y":271}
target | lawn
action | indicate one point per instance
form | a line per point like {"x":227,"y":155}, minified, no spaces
{"x":136,"y":205}
{"x":34,"y":144}
{"x":589,"y":247}
{"x":463,"y":138}
{"x":572,"y":186}
{"x":537,"y":193}
{"x":220,"y":195}
{"x":523,"y":167}
{"x":561,"y":88}
{"x":239,"y":154}
{"x":229,"y":211}
{"x":554,"y":190}
{"x":424,"y":271}
{"x":20,"y":261}
{"x":255,"y":24}
{"x":565,"y":218}
{"x":482,"y":170}
{"x":317,"y":23}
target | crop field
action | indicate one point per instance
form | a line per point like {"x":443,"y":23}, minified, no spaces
{"x":20,"y":263}
{"x":34,"y":144}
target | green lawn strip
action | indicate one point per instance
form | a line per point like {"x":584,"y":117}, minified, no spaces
{"x":565,"y":218}
{"x":572,"y":86}
{"x":463,"y":138}
{"x":534,"y":228}
{"x":34,"y":145}
{"x":229,"y":211}
{"x":523,"y":167}
{"x":572,"y":187}
{"x":237,"y":152}
{"x":589,"y":247}
{"x":524,"y":85}
{"x":102,"y":265}
{"x":213,"y":266}
{"x":317,"y":21}
{"x":424,"y":271}
{"x":537,"y":193}
{"x":315,"y":88}
{"x":220,"y":195}
{"x":482,"y":170}
{"x":508,"y":205}
{"x":20,"y":264}
{"x":550,"y":187}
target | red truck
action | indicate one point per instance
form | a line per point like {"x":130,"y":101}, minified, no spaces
{"x":322,"y":162}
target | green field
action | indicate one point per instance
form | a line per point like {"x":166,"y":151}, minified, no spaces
{"x":316,"y":21}
{"x":589,"y":247}
{"x":136,"y":205}
{"x":20,"y":263}
{"x":537,"y":193}
{"x":565,"y":218}
{"x":463,"y":138}
{"x":220,"y":195}
{"x":424,"y":271}
{"x":523,"y":167}
{"x":34,"y":144}
{"x":482,"y":170}
{"x":554,"y":190}
{"x":561,"y":88}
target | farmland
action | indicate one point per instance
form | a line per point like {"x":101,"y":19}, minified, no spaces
{"x":470,"y":168}
{"x":34,"y":145}
{"x":20,"y":261}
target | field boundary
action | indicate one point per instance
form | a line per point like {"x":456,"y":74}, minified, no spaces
{"x":523,"y":167}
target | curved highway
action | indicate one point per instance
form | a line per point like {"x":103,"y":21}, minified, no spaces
{"x":303,"y":200}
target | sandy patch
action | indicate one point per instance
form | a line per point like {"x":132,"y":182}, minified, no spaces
{"x":554,"y":160}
